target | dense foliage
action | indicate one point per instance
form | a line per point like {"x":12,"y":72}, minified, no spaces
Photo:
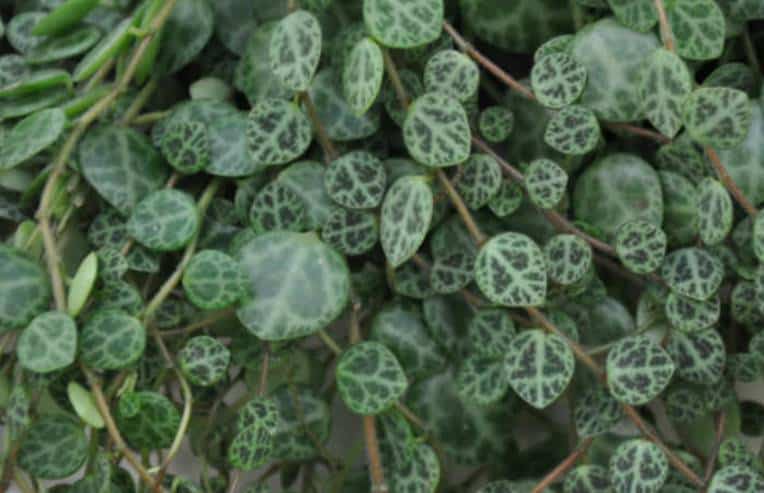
{"x":407,"y":246}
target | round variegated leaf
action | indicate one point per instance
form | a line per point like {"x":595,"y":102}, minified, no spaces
{"x":641,"y":246}
{"x":558,"y":80}
{"x":685,"y":404}
{"x":698,"y":28}
{"x":417,"y":469}
{"x":166,"y":220}
{"x":480,"y":180}
{"x":252,"y":447}
{"x":511,"y":271}
{"x":736,"y":479}
{"x":507,"y":200}
{"x":638,"y":466}
{"x":588,"y":478}
{"x":665,"y":83}
{"x":356,"y":180}
{"x":298,"y":285}
{"x":362,"y":75}
{"x":757,"y":240}
{"x":19,"y":31}
{"x":496,"y":123}
{"x":539,"y":367}
{"x":490,"y":332}
{"x":557,"y":44}
{"x":108,"y":230}
{"x":574,"y":130}
{"x":369,"y":378}
{"x":119,"y":295}
{"x":122,"y":165}
{"x":405,"y":219}
{"x":436,"y":131}
{"x":24,"y":289}
{"x":482,"y":379}
{"x":734,"y":451}
{"x":111,"y":339}
{"x":690,"y":315}
{"x":744,"y":367}
{"x":277,"y":208}
{"x":714,"y":211}
{"x":152,"y":421}
{"x":48,"y":344}
{"x":295,"y":50}
{"x":568,"y":259}
{"x":31,"y":136}
{"x":405,"y":334}
{"x":545,"y":182}
{"x":186,"y":146}
{"x":453,"y":73}
{"x":412,"y":281}
{"x":717,"y":116}
{"x":700,"y":356}
{"x":596,"y":412}
{"x":53,"y":448}
{"x":204,"y":360}
{"x":258,"y":410}
{"x":213,"y":281}
{"x":693,"y":272}
{"x":351,"y":232}
{"x":277,"y":132}
{"x":402,"y":23}
{"x":451,"y":273}
{"x":638,"y":370}
{"x":639,"y":15}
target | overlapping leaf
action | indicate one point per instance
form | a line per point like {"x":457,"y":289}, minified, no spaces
{"x":204,"y":360}
{"x":558,"y":80}
{"x":295,"y":49}
{"x":717,"y":116}
{"x":48,"y":344}
{"x":403,"y":24}
{"x":362,"y":75}
{"x":406,"y":215}
{"x":370,"y":378}
{"x":665,"y":84}
{"x":453,"y":73}
{"x":638,"y":466}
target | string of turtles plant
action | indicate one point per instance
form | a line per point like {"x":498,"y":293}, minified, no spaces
{"x":333,"y":246}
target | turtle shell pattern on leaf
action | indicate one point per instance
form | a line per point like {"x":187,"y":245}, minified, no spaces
{"x":370,"y":378}
{"x":638,"y":370}
{"x":638,"y":466}
{"x":436,"y":130}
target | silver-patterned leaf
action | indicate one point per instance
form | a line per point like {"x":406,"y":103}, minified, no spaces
{"x":405,"y":218}
{"x":295,"y":50}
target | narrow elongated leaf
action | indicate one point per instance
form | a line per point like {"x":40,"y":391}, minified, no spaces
{"x":406,"y":215}
{"x":82,"y":284}
{"x":511,"y":270}
{"x":295,"y":50}
{"x":63,"y":17}
{"x":31,"y":136}
{"x":539,"y":367}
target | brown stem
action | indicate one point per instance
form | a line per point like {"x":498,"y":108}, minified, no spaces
{"x":461,"y":208}
{"x":395,"y":79}
{"x":323,"y":137}
{"x":563,"y":467}
{"x":200,"y":324}
{"x":666,"y":35}
{"x":639,"y":131}
{"x":729,"y":183}
{"x":470,"y":50}
{"x":262,"y":384}
{"x":376,"y":471}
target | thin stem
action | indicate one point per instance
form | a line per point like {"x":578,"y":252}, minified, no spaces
{"x":233,"y":481}
{"x":200,"y":324}
{"x":111,"y":427}
{"x":721,"y":422}
{"x":330,"y":342}
{"x":139,"y":102}
{"x":470,"y":50}
{"x":395,"y":79}
{"x":149,"y":118}
{"x":461,"y":208}
{"x":658,"y":137}
{"x":176,"y":276}
{"x":262,"y":385}
{"x":51,"y":258}
{"x":563,"y":467}
{"x":729,"y":183}
{"x":666,"y":35}
{"x":185,"y":420}
{"x":323,"y":137}
{"x":376,"y":471}
{"x":750,"y":53}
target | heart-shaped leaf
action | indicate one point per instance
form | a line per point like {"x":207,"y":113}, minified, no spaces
{"x":213,"y":281}
{"x":639,"y":15}
{"x":405,"y":219}
{"x":507,"y":200}
{"x":496,"y":123}
{"x":251,"y":447}
{"x":589,"y":478}
{"x":277,"y":208}
{"x":111,"y":339}
{"x":453,"y":73}
{"x":511,"y":270}
{"x":166,"y":220}
{"x":539,"y":367}
{"x":152,"y":420}
{"x":186,"y":33}
{"x":545,"y":182}
{"x":641,"y":246}
{"x":698,"y":27}
{"x":568,"y":259}
{"x":295,"y":50}
{"x":24,"y":289}
{"x":690,"y":315}
{"x":700,"y":356}
{"x":558,"y":80}
{"x":482,"y":379}
{"x":693,"y":272}
{"x":451,"y":273}
{"x":714,"y":211}
{"x":574,"y":130}
{"x":48,"y":344}
{"x":54,"y":447}
{"x":638,"y":466}
{"x":436,"y":131}
{"x":351,"y":232}
{"x":356,"y":180}
{"x":596,"y":412}
{"x":490,"y":332}
{"x":369,"y":378}
{"x":737,"y":479}
{"x":665,"y":83}
{"x":269,"y":310}
{"x":717,"y":116}
{"x":334,"y":112}
{"x":204,"y":360}
{"x":186,"y":146}
{"x":638,"y":370}
{"x":403,"y":24}
{"x":362,"y":75}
